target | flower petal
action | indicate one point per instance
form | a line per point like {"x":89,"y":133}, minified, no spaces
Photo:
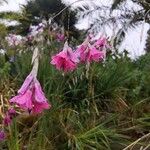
{"x":39,"y":94}
{"x":23,"y":100}
{"x":39,"y":107}
{"x":26,"y":84}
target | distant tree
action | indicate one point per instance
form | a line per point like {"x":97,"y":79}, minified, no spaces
{"x":135,"y":17}
{"x":101,"y":17}
{"x":36,"y":10}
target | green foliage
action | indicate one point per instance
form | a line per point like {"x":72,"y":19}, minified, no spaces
{"x":4,"y":69}
{"x":3,"y":30}
{"x":3,"y":33}
{"x":104,"y":108}
{"x":37,"y":10}
{"x":10,"y":15}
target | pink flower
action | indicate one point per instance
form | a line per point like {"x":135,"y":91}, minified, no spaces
{"x":30,"y":96}
{"x":66,"y":60}
{"x":30,"y":38}
{"x":60,"y":37}
{"x":95,"y":55}
{"x":23,"y":100}
{"x":101,"y":43}
{"x":11,"y":112}
{"x":14,"y":40}
{"x":89,"y":53}
{"x":38,"y":107}
{"x":7,"y":120}
{"x":2,"y":135}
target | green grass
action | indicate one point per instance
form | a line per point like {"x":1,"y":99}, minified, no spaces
{"x":108,"y":110}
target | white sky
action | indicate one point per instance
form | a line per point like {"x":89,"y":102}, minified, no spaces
{"x":134,"y":42}
{"x":13,"y":5}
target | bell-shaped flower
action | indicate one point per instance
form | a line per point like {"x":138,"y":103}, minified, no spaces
{"x":66,"y":60}
{"x":95,"y":55}
{"x":30,"y":96}
{"x":24,"y":101}
{"x":89,"y":53}
{"x":101,"y":43}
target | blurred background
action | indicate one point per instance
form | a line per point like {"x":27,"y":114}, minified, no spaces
{"x":124,"y":21}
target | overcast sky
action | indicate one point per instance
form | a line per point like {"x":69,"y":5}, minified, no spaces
{"x":13,"y":5}
{"x":134,"y":42}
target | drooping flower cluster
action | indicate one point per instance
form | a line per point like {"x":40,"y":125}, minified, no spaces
{"x":87,"y":52}
{"x":30,"y":96}
{"x":66,"y":60}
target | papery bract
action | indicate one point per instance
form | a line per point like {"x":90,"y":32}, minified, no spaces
{"x":66,"y":60}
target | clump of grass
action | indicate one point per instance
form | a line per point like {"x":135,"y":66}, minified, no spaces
{"x":109,"y":109}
